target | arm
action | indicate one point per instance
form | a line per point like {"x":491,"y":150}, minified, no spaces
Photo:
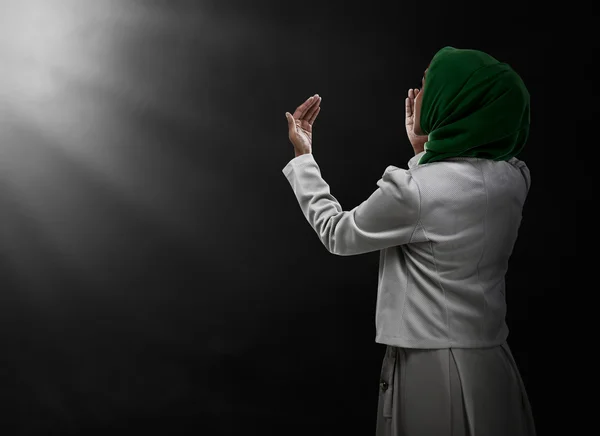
{"x":387,"y":218}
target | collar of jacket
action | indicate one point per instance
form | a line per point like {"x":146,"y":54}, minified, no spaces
{"x":414,"y":161}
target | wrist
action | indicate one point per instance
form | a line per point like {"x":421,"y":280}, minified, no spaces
{"x":418,"y":149}
{"x":418,"y":145}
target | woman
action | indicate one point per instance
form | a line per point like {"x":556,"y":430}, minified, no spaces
{"x":445,"y":228}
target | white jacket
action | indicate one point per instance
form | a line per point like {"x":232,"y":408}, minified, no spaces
{"x":445,"y":231}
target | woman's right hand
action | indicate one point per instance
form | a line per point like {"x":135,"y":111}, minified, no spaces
{"x":417,"y":141}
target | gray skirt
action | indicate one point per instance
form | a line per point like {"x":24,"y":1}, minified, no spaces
{"x":452,"y":392}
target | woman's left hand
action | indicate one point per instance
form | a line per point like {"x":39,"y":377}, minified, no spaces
{"x":300,"y":124}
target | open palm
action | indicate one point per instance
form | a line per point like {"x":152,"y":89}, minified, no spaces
{"x":417,"y":141}
{"x":301,"y":122}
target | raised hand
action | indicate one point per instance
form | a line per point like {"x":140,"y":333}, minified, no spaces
{"x":417,"y":141}
{"x":300,"y":124}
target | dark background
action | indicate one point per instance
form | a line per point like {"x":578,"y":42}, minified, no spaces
{"x":156,"y":273}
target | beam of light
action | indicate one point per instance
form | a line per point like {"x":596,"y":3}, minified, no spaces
{"x":63,"y":77}
{"x":63,"y":80}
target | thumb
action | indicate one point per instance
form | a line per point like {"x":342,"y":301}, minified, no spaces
{"x":290,"y":120}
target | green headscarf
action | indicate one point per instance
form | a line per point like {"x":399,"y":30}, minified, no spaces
{"x":473,"y":105}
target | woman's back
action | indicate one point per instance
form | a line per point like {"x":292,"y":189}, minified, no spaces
{"x":446,"y":287}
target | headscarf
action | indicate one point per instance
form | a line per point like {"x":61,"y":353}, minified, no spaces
{"x":473,"y":105}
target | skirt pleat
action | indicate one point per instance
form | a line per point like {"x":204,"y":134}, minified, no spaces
{"x":452,"y":392}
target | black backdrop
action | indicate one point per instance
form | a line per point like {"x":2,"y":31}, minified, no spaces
{"x":156,"y":272}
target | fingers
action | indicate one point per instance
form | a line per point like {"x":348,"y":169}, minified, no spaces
{"x":311,"y":113}
{"x":311,"y":121}
{"x":413,"y":92}
{"x":301,"y":110}
{"x":410,"y":101}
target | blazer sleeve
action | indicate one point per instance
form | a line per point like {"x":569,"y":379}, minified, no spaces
{"x":387,"y":218}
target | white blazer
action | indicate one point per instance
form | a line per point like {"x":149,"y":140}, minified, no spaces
{"x":445,"y":231}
